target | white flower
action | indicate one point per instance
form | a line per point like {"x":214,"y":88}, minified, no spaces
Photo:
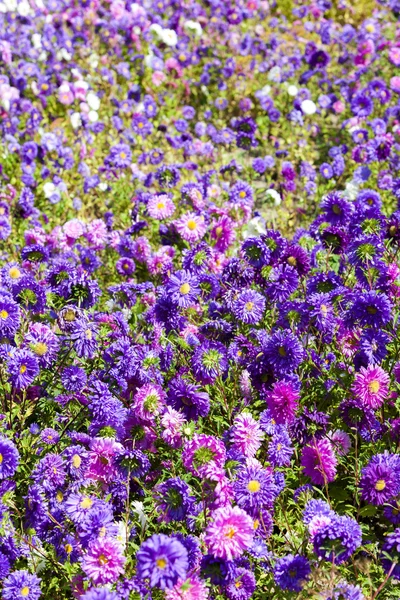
{"x":292,"y":90}
{"x":274,"y":195}
{"x":138,"y":509}
{"x":255,"y":228}
{"x":76,"y":120}
{"x":122,"y":534}
{"x":93,"y":116}
{"x":156,"y":29}
{"x":63,"y":54}
{"x":37,"y":40}
{"x":351,"y":190}
{"x":169,"y":37}
{"x":93,"y":101}
{"x":308,"y":107}
{"x":23,"y":9}
{"x":49,"y":188}
{"x":194,"y":26}
{"x":275,"y":74}
{"x":265,"y":90}
{"x":102,"y":186}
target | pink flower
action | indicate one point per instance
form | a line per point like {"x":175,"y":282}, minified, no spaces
{"x":338,"y":107}
{"x":395,"y":84}
{"x":341,"y":442}
{"x":394,"y":56}
{"x":65,"y":93}
{"x":158,"y":77}
{"x":102,"y":457}
{"x":319,"y":461}
{"x":191,"y":589}
{"x":230,"y":533}
{"x":191,"y":227}
{"x":371,"y":386}
{"x":160,"y":207}
{"x":282,"y":402}
{"x":74,"y":228}
{"x":96,"y":234}
{"x":317,"y":523}
{"x":104,"y":561}
{"x":172,"y":421}
{"x":246,"y":434}
{"x":149,"y":401}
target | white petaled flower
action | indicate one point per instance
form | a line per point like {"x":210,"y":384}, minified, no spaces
{"x":275,"y":74}
{"x":255,"y":228}
{"x":292,"y":90}
{"x":24,"y":9}
{"x":169,"y":37}
{"x":156,"y":29}
{"x":93,"y":101}
{"x":37,"y":40}
{"x":48,"y":189}
{"x":274,"y":195}
{"x":351,"y":190}
{"x":103,"y":186}
{"x":194,"y":27}
{"x":76,"y":120}
{"x":93,"y":116}
{"x":308,"y":107}
{"x":138,"y":508}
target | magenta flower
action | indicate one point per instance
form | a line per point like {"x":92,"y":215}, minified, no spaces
{"x":282,"y":402}
{"x":160,"y":207}
{"x":104,"y":561}
{"x":230,"y":533}
{"x":371,"y":386}
{"x":319,"y":461}
{"x":191,"y":227}
{"x":102,"y":459}
{"x":246,"y":434}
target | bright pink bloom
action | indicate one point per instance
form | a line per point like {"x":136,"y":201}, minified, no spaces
{"x":191,"y":227}
{"x":371,"y":386}
{"x":102,"y":459}
{"x":319,"y":461}
{"x":246,"y":434}
{"x":104,"y":561}
{"x":230,"y":533}
{"x":191,"y":589}
{"x":282,"y":402}
{"x":160,"y":207}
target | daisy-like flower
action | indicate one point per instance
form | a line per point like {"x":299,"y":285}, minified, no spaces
{"x":230,"y":532}
{"x":163,"y":560}
{"x":9,"y":316}
{"x":23,"y":367}
{"x":183,"y":288}
{"x":209,"y":361}
{"x":380,"y":479}
{"x":191,"y":227}
{"x":202,"y":450}
{"x":337,"y":541}
{"x":319,"y":461}
{"x":9,"y":458}
{"x":21,"y":584}
{"x":249,"y":307}
{"x":149,"y":401}
{"x":246,"y":434}
{"x":191,"y":589}
{"x":282,"y":402}
{"x":103,"y":459}
{"x":243,"y":586}
{"x":371,"y":386}
{"x":254,"y":489}
{"x":160,"y":206}
{"x":104,"y":562}
{"x":291,"y":572}
{"x":341,"y":442}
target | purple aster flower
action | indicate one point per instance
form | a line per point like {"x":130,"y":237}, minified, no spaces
{"x":23,"y":368}
{"x":183,"y":288}
{"x":361,"y":105}
{"x":230,"y":532}
{"x":163,"y":560}
{"x":337,"y":541}
{"x":101,"y":593}
{"x":9,"y":458}
{"x":43,"y":343}
{"x":83,"y":334}
{"x":50,"y":472}
{"x":73,"y":379}
{"x":373,"y":345}
{"x":391,"y":546}
{"x":21,"y":584}
{"x":291,"y":572}
{"x":249,"y":307}
{"x":380,"y":479}
{"x":371,"y":308}
{"x":188,"y":398}
{"x":256,"y":252}
{"x":49,"y":436}
{"x":120,"y":156}
{"x":218,"y":570}
{"x":284,"y":352}
{"x":173,"y":499}
{"x":104,"y":562}
{"x":319,"y":461}
{"x":243,"y":585}
{"x":9,"y":316}
{"x":345,"y":591}
{"x":209,"y":361}
{"x":282,"y":282}
{"x":78,"y":506}
{"x":254,"y":489}
{"x":280,"y":449}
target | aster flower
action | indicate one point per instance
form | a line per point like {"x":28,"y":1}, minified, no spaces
{"x":188,"y":398}
{"x":249,"y":307}
{"x":338,"y":540}
{"x":83,"y":335}
{"x":291,"y":572}
{"x":371,"y":308}
{"x":103,"y":562}
{"x":280,"y":449}
{"x":254,"y":489}
{"x":209,"y":361}
{"x":284,"y":352}
{"x":246,"y":434}
{"x":319,"y":461}
{"x":183,"y":288}
{"x":391,"y":547}
{"x":77,"y":506}
{"x":43,"y":343}
{"x":283,"y":402}
{"x":230,"y":532}
{"x":202,"y":450}
{"x":160,"y":206}
{"x":283,"y":280}
{"x":9,"y":458}
{"x":242,"y":587}
{"x":21,"y":584}
{"x":9,"y":316}
{"x":191,"y":227}
{"x":149,"y":401}
{"x":371,"y":386}
{"x":102,"y":459}
{"x":163,"y":560}
{"x":173,"y":499}
{"x":101,"y":593}
{"x":172,"y":423}
{"x":191,"y":589}
{"x":379,"y":479}
{"x":23,"y":368}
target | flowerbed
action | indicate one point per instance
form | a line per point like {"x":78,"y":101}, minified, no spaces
{"x":199,"y":300}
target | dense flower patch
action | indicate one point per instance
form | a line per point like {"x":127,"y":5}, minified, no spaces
{"x":199,"y":300}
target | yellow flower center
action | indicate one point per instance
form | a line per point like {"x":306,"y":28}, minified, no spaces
{"x":370,"y":28}
{"x":380,"y":485}
{"x":76,"y":461}
{"x":192,"y":225}
{"x":161,"y":563}
{"x":184,"y":289}
{"x":86,"y":503}
{"x":59,"y":496}
{"x":69,"y":315}
{"x":292,"y":261}
{"x":249,"y":305}
{"x":3,"y":314}
{"x":14,"y":273}
{"x":140,"y":125}
{"x":256,"y":523}
{"x":253,"y":486}
{"x":40,"y":348}
{"x":218,"y":230}
{"x":161,"y":205}
{"x":1,"y":458}
{"x":22,"y":369}
{"x":68,"y":548}
{"x":230,"y":533}
{"x":88,"y":334}
{"x":25,"y":591}
{"x":103,"y":560}
{"x":374,"y":386}
{"x":122,"y":155}
{"x":282,"y":351}
{"x":102,"y":532}
{"x":242,"y":194}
